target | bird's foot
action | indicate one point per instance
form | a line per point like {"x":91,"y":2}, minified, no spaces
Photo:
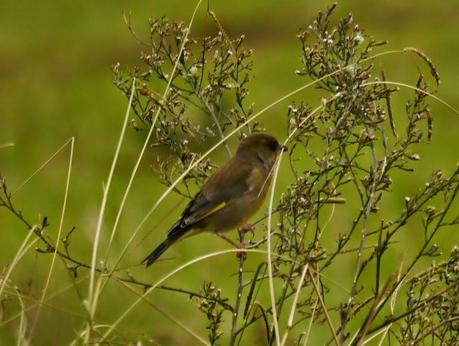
{"x":242,"y":251}
{"x":247,"y":228}
{"x":241,"y":247}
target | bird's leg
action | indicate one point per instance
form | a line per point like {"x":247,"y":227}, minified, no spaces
{"x":224,"y":237}
{"x":241,"y":246}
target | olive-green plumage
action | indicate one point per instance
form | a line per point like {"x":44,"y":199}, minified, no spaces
{"x":231,"y":195}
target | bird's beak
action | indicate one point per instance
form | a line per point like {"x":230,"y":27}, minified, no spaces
{"x":283,"y":148}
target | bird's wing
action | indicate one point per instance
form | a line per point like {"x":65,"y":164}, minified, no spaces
{"x":230,"y":182}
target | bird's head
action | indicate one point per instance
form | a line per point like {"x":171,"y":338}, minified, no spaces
{"x":261,"y":147}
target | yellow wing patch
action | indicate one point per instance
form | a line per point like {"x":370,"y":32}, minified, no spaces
{"x":210,"y":212}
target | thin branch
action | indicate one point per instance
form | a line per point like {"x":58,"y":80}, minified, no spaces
{"x":324,"y":308}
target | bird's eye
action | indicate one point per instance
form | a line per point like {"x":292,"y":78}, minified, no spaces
{"x":273,"y":145}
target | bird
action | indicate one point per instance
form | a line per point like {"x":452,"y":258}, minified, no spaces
{"x":230,"y":196}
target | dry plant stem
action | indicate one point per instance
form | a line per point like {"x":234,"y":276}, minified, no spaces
{"x":240,"y":286}
{"x":7,"y":202}
{"x":392,"y":319}
{"x":252,"y":118}
{"x":378,"y":259}
{"x":22,"y":329}
{"x":49,"y":244}
{"x":193,"y":294}
{"x":268,"y":237}
{"x":79,"y":338}
{"x":269,"y":252}
{"x":164,"y":278}
{"x":383,"y":331}
{"x":443,"y":102}
{"x":93,"y":298}
{"x":357,"y":340}
{"x":410,"y":267}
{"x":50,"y":296}
{"x":6,"y":145}
{"x":433,"y":328}
{"x":393,"y":298}
{"x":147,"y":139}
{"x":324,"y":308}
{"x":121,"y":137}
{"x":39,"y":232}
{"x":294,"y":303}
{"x":319,"y":230}
{"x":207,"y":153}
{"x":25,"y":246}
{"x":203,"y":99}
{"x":284,"y":292}
{"x":58,"y":239}
{"x":268,"y":310}
{"x":71,"y":140}
{"x":93,"y":266}
{"x":166,"y":315}
{"x":24,"y":297}
{"x":386,"y":332}
{"x":424,"y":246}
{"x":170,"y":274}
{"x":368,"y":207}
{"x":251,"y":302}
{"x":214,"y":117}
{"x":150,"y":132}
{"x":311,"y":321}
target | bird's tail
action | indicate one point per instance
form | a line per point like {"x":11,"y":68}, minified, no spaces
{"x":174,"y":234}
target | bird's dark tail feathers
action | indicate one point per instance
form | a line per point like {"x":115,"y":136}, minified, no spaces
{"x":174,"y":234}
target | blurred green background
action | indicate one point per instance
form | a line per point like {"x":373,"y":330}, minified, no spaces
{"x":56,"y":82}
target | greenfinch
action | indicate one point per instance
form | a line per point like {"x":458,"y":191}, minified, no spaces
{"x":230,"y":196}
